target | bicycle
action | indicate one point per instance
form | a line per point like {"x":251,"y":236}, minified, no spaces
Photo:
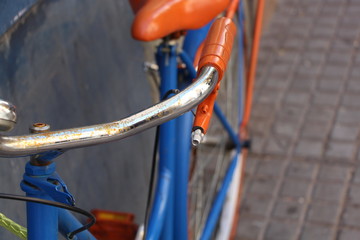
{"x":45,"y":146}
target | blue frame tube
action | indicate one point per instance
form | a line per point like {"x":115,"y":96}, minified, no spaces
{"x":184,"y":125}
{"x":194,"y":38}
{"x":166,"y":58}
{"x":183,"y":151}
{"x":219,"y":201}
{"x":189,"y":64}
{"x":68,"y":223}
{"x":167,"y":61}
{"x":42,"y":220}
{"x":220,"y":197}
{"x":221,"y":116}
{"x":158,"y":211}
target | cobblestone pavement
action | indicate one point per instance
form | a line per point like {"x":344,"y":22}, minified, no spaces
{"x":303,"y":175}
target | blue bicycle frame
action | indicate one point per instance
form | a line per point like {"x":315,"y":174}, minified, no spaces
{"x":169,"y":214}
{"x":168,"y":217}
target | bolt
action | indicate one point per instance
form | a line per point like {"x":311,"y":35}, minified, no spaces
{"x":39,"y":128}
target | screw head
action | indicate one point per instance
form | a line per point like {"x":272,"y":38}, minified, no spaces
{"x":39,"y":128}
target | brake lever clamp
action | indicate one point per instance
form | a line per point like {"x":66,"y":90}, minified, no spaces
{"x":44,"y":180}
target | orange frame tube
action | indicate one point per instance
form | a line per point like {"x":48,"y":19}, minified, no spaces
{"x":250,"y":78}
{"x":232,"y":9}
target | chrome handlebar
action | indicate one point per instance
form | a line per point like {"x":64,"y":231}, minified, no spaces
{"x":16,"y":146}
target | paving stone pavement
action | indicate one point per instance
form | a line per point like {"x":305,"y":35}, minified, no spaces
{"x":303,"y":175}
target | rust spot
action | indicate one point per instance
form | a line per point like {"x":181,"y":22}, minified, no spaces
{"x":39,"y":125}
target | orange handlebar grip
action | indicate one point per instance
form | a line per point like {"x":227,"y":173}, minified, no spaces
{"x":216,"y":52}
{"x":218,"y":45}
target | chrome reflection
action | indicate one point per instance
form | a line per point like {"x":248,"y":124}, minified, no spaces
{"x":7,"y":116}
{"x":12,"y":146}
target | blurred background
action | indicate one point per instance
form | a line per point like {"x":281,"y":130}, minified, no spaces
{"x":303,"y":173}
{"x":70,"y":64}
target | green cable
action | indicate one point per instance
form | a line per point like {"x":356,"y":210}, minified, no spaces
{"x":13,"y":227}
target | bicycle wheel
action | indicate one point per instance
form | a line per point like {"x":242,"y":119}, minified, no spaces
{"x":211,"y":160}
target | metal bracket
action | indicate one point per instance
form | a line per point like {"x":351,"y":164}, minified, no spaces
{"x":52,"y":185}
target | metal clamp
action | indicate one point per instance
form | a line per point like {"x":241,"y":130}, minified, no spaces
{"x":51,"y":184}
